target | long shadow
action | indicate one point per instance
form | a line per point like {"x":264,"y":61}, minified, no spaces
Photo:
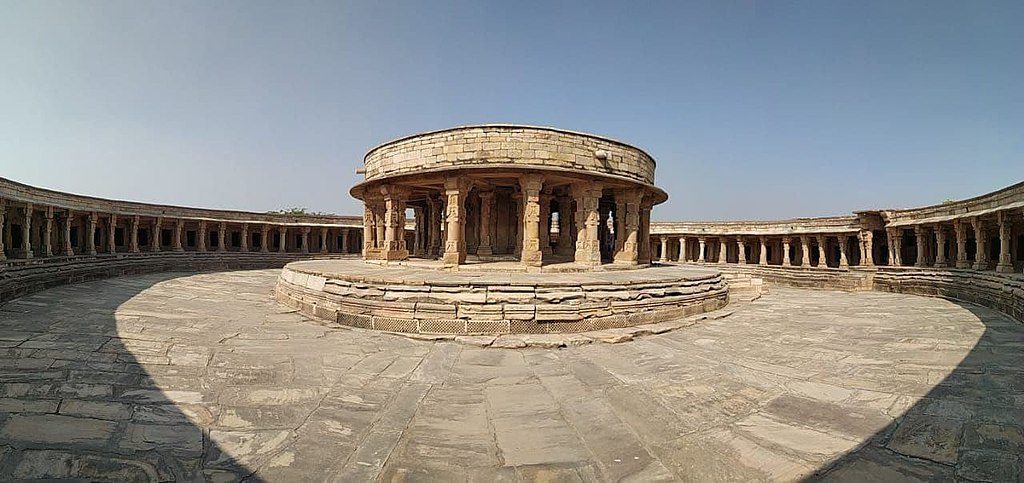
{"x":76,"y":403}
{"x":969,"y":427}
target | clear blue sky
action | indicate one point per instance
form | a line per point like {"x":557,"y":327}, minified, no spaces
{"x":753,"y":110}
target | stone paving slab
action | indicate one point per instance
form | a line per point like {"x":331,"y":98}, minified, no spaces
{"x":202,"y":376}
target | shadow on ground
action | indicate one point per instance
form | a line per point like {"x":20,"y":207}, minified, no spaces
{"x":968,"y":427}
{"x":77,"y":402}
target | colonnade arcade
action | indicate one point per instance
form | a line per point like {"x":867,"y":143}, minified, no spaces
{"x":29,"y":230}
{"x":534,"y":218}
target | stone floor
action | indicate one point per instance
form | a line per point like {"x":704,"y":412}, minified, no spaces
{"x":177,"y":376}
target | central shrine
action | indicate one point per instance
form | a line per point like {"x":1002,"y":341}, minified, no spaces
{"x":535,"y":195}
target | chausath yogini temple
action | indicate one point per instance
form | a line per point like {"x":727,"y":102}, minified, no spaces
{"x":506,"y":309}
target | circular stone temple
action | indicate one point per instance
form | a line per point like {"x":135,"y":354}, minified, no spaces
{"x":514,"y":229}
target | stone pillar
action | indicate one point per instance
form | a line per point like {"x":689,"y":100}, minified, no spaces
{"x":805,"y":251}
{"x":1005,"y":264}
{"x":179,"y":225}
{"x":69,"y":219}
{"x":434,"y":231}
{"x":645,"y":230}
{"x":222,"y":237}
{"x":741,"y":255}
{"x":517,"y":200}
{"x":48,"y":233}
{"x":588,"y":219}
{"x":265,"y":238}
{"x":822,"y":257}
{"x":111,"y":230}
{"x":682,"y":249}
{"x":565,"y":245}
{"x":282,"y":242}
{"x":394,"y":219}
{"x":90,"y":234}
{"x":305,"y":239}
{"x":898,"y":250}
{"x":702,"y":256}
{"x":323,"y":240}
{"x":763,"y":258}
{"x":844,"y":246}
{"x":3,"y":228}
{"x":455,"y":192}
{"x":133,"y":240}
{"x":866,"y":238}
{"x":531,"y":185}
{"x":202,"y":236}
{"x":157,"y":234}
{"x":545,"y":223}
{"x":245,"y":237}
{"x":940,"y":246}
{"x":486,"y":202}
{"x":369,"y":230}
{"x":919,"y":238}
{"x":723,"y":252}
{"x":960,"y":232}
{"x":26,"y":233}
{"x":981,"y":252}
{"x":628,"y":215}
{"x":785,"y":252}
{"x":344,"y":241}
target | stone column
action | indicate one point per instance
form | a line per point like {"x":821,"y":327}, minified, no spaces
{"x":48,"y":233}
{"x":919,"y":238}
{"x":702,"y":256}
{"x":179,"y":225}
{"x":682,"y":249}
{"x":369,"y":230}
{"x":960,"y":232}
{"x":202,"y":235}
{"x":940,"y":246}
{"x":628,"y":221}
{"x":531,"y":185}
{"x":785,"y":252}
{"x":265,"y":238}
{"x":588,"y":219}
{"x":133,"y":241}
{"x":282,"y":242}
{"x":305,"y":239}
{"x":3,"y":228}
{"x":565,"y":245}
{"x":394,"y":219}
{"x":69,"y":218}
{"x":222,"y":237}
{"x":763,"y":258}
{"x":455,"y":192}
{"x":545,"y":223}
{"x":866,"y":238}
{"x":741,"y":255}
{"x":434,"y":231}
{"x":245,"y":237}
{"x":26,"y":233}
{"x":90,"y":234}
{"x":111,"y":230}
{"x":1005,"y":264}
{"x":898,"y":251}
{"x":344,"y":241}
{"x":157,"y":234}
{"x":486,"y":202}
{"x":844,"y":246}
{"x":645,"y":230}
{"x":805,"y":251}
{"x":323,"y":240}
{"x":723,"y":252}
{"x":981,"y":252}
{"x":663,"y":241}
{"x":822,"y":258}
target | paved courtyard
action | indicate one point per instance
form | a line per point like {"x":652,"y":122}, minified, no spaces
{"x":179,"y":376}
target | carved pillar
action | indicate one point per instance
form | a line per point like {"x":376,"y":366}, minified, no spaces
{"x":434,"y":230}
{"x":394,"y":219}
{"x":133,"y":240}
{"x":245,"y":237}
{"x":919,"y":239}
{"x":69,"y":219}
{"x":867,"y":258}
{"x":323,"y":239}
{"x":369,"y":230}
{"x":960,"y":232}
{"x":111,"y":230}
{"x":940,"y":246}
{"x":844,"y":246}
{"x":645,"y":230}
{"x":48,"y":233}
{"x":682,"y":249}
{"x":282,"y":242}
{"x":531,"y":185}
{"x":981,"y":252}
{"x":26,"y":233}
{"x":587,"y":195}
{"x":544,"y":228}
{"x":702,"y":257}
{"x":628,"y":215}
{"x":179,"y":225}
{"x":305,"y":239}
{"x":486,"y":202}
{"x":517,"y":200}
{"x":664,"y":248}
{"x":822,"y":258}
{"x":565,"y":245}
{"x":785,"y":252}
{"x":723,"y":250}
{"x":265,"y":238}
{"x":157,"y":234}
{"x":455,"y":190}
{"x":202,"y":236}
{"x":1005,"y":264}
{"x":741,"y":255}
{"x":344,"y":241}
{"x":763,"y":258}
{"x":222,"y":237}
{"x":3,"y":228}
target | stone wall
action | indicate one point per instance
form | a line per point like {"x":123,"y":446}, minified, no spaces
{"x":497,"y":146}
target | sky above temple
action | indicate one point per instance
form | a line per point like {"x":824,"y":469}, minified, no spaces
{"x":752,"y":110}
